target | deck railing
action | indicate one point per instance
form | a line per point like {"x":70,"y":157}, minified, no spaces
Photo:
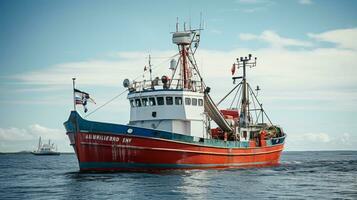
{"x":157,"y":84}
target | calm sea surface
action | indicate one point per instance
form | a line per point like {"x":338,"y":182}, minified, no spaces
{"x":301,"y":175}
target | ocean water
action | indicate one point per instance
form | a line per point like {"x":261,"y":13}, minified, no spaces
{"x":301,"y":175}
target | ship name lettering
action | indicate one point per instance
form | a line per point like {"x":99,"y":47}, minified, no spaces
{"x":102,"y":137}
{"x":126,"y":140}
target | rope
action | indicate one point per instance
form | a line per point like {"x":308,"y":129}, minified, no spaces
{"x":117,"y":96}
{"x":112,"y":99}
{"x":158,"y":65}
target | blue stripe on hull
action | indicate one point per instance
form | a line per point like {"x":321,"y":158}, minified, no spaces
{"x":119,"y":129}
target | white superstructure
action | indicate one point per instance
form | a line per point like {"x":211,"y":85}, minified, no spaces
{"x":178,"y":102}
{"x":173,"y":103}
{"x":176,"y":111}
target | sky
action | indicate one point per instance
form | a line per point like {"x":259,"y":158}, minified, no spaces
{"x":306,"y":67}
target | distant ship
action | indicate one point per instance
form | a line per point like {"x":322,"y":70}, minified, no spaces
{"x":45,"y":149}
{"x":170,"y":123}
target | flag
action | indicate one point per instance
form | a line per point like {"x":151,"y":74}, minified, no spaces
{"x":82,"y":98}
{"x":78,"y":100}
{"x":233,"y":69}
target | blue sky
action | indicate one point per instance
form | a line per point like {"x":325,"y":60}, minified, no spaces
{"x":307,"y":61}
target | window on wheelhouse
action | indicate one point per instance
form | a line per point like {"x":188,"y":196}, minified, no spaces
{"x":187,"y":101}
{"x":132,"y":103}
{"x":145,"y":101}
{"x":178,"y":100}
{"x":152,"y":101}
{"x":200,"y":102}
{"x":194,"y":101}
{"x":160,"y":101}
{"x":137,"y":102}
{"x":169,"y":101}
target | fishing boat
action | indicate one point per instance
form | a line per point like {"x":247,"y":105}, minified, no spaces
{"x":175,"y":124}
{"x":44,"y":149}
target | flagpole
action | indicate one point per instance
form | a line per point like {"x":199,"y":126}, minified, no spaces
{"x":74,"y":94}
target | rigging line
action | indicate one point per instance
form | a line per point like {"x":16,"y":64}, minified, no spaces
{"x":196,"y":47}
{"x":239,"y":99}
{"x":168,"y":58}
{"x":264,"y":113}
{"x":156,"y":66}
{"x":235,"y":87}
{"x":115,"y":97}
{"x":195,"y":66}
{"x":173,"y":74}
{"x":106,"y":103}
{"x":251,"y":94}
{"x":230,"y":107}
{"x":256,"y":98}
{"x":267,"y":117}
{"x":159,"y":57}
{"x":151,"y":69}
{"x":256,"y":120}
{"x":234,"y":99}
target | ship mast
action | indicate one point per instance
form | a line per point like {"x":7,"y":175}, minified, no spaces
{"x":186,"y":61}
{"x":244,"y":62}
{"x":247,"y":95}
{"x":150,"y":70}
{"x":39,"y":143}
{"x":185,"y":69}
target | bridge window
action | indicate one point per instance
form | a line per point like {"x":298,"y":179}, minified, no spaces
{"x":132,"y":103}
{"x":200,"y":102}
{"x":194,"y":101}
{"x":160,"y":101}
{"x":145,"y":101}
{"x":178,"y":100}
{"x":169,"y":101}
{"x":152,"y":101}
{"x":137,"y":102}
{"x":187,"y":101}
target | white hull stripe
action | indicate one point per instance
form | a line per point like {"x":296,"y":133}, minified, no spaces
{"x":181,"y":150}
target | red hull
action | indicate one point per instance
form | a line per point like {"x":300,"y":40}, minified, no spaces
{"x":106,"y":152}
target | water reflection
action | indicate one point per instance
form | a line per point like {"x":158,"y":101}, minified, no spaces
{"x":326,"y":175}
{"x":195,"y":184}
{"x":165,"y":184}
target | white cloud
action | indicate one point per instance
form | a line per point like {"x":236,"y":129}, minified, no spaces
{"x":346,"y":138}
{"x":30,"y":133}
{"x":308,"y":74}
{"x":17,"y":139}
{"x":305,"y":2}
{"x":13,"y":134}
{"x":275,"y":40}
{"x":94,"y":72}
{"x":343,"y":38}
{"x":316,"y":137}
{"x":307,"y":141}
{"x":310,"y":141}
{"x":321,"y":141}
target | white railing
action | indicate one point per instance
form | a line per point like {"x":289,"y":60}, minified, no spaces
{"x":157,"y":84}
